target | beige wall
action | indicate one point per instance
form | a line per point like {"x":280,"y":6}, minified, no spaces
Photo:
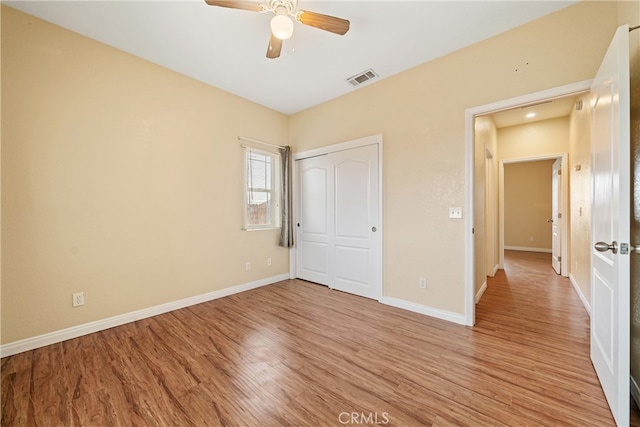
{"x":527,"y":205}
{"x":120,"y":179}
{"x":486,"y":200}
{"x":580,"y":196}
{"x":534,"y":139}
{"x":421,"y":114}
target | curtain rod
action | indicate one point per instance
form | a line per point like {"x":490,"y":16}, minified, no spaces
{"x":244,"y":138}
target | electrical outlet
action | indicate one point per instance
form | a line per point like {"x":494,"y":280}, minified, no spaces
{"x":269,"y":261}
{"x":78,"y":299}
{"x":247,"y":266}
{"x":455,"y":212}
{"x":422,"y":283}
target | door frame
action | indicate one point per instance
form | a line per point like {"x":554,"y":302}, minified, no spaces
{"x":564,"y":204}
{"x":491,"y":218}
{"x":321,"y":151}
{"x":470,"y":115}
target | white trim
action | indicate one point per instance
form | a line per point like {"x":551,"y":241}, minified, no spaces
{"x":470,"y":115}
{"x":274,"y":192}
{"x":527,"y":249}
{"x":635,"y":391}
{"x":100,"y":325}
{"x":423,"y":309}
{"x":377,"y":140}
{"x":583,"y":298}
{"x":293,"y":250}
{"x":481,"y":291}
{"x":256,"y":141}
{"x":495,"y":270}
{"x":491,"y":209}
{"x":469,"y":239}
{"x":341,"y":146}
{"x":500,"y":215}
{"x":556,"y":92}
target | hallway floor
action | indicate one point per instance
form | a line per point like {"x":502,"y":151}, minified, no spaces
{"x":558,"y":312}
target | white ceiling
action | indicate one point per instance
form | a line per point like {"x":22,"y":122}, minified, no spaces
{"x":226,"y":47}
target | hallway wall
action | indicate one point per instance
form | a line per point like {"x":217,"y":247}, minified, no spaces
{"x":580,"y":199}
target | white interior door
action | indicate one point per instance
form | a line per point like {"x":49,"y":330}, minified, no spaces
{"x":313,"y":219}
{"x":610,"y":226}
{"x":556,"y":215}
{"x":339,"y":236}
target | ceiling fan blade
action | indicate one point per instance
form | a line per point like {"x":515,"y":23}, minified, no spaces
{"x":323,"y":22}
{"x":275,"y":46}
{"x":237,"y":4}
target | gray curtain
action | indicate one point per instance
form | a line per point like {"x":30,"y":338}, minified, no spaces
{"x":286,"y":232}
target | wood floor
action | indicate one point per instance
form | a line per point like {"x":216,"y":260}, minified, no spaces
{"x":299,"y":354}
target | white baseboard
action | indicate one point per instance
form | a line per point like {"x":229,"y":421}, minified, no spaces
{"x":527,"y":249}
{"x":481,"y":291}
{"x":100,"y":325}
{"x":423,"y":309}
{"x":586,"y":304}
{"x":495,"y":270}
{"x":635,"y":391}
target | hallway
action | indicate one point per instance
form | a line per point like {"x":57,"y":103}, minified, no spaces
{"x":539,"y":312}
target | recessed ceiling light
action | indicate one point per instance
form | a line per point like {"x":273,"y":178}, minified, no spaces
{"x":530,"y":115}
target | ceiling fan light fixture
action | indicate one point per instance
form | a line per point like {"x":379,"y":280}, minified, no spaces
{"x":282,"y":27}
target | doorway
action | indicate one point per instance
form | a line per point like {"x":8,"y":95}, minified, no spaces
{"x":475,"y":203}
{"x":558,"y":219}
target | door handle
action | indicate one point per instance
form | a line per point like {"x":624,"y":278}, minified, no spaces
{"x":374,"y":229}
{"x":625,"y":248}
{"x":604,"y":247}
{"x":549,"y":220}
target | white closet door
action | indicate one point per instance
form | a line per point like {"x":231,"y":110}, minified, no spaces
{"x":356,"y":235}
{"x":338,"y":229}
{"x":313,"y":219}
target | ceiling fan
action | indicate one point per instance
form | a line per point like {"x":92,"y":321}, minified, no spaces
{"x":281,"y":23}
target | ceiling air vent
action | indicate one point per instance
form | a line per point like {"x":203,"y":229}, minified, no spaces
{"x":360,"y":78}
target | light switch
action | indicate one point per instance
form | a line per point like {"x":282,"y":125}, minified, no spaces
{"x":455,"y":212}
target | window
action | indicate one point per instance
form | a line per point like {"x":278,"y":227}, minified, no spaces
{"x":262,"y":194}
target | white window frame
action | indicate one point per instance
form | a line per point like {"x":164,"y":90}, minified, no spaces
{"x":275,"y":191}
